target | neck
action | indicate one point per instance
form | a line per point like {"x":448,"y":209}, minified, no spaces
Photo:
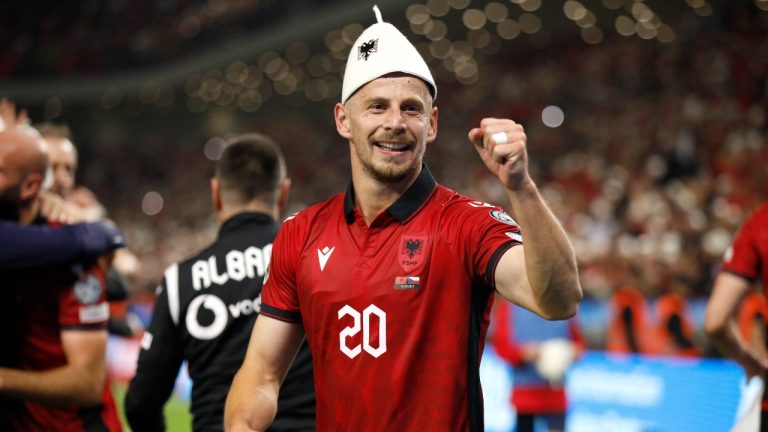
{"x":373,"y":197}
{"x":227,"y":212}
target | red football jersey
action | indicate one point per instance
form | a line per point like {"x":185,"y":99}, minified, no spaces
{"x":396,"y":312}
{"x":748,"y":255}
{"x":59,"y":299}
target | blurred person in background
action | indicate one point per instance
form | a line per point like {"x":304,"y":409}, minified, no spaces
{"x":540,"y":352}
{"x":745,"y":262}
{"x":23,"y":246}
{"x":753,"y":319}
{"x":673,"y":325}
{"x":628,"y":321}
{"x":79,"y":200}
{"x":206,"y":305}
{"x":54,"y":350}
{"x":392,"y":281}
{"x":69,"y":201}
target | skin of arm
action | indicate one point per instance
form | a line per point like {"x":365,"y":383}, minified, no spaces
{"x":79,"y":382}
{"x":252,"y":400}
{"x":720,"y":324}
{"x":541,"y":276}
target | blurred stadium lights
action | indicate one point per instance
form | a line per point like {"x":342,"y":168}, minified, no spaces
{"x":152,"y":203}
{"x":303,"y":57}
{"x":552,"y":116}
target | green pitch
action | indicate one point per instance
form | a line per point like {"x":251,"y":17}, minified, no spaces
{"x":177,"y":417}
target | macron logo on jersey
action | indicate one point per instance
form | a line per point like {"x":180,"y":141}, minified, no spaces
{"x":322,"y":256}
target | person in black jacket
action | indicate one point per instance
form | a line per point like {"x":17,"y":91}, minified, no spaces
{"x":206,"y":306}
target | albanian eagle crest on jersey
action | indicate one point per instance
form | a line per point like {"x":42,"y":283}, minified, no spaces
{"x":411,"y":254}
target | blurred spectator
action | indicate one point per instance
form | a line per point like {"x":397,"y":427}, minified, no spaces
{"x":674,"y":330}
{"x":628,"y":323}
{"x":540,"y":352}
{"x":753,"y":320}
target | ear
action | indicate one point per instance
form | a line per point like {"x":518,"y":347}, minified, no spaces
{"x":342,"y":121}
{"x":432,"y":133}
{"x":216,"y":194}
{"x":283,"y":193}
{"x":30,"y":187}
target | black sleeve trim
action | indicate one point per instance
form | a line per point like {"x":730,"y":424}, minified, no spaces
{"x":95,"y":326}
{"x":490,"y":270}
{"x":280,"y":314}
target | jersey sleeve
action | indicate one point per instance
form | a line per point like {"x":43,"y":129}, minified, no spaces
{"x":83,"y":305}
{"x":482,"y":232}
{"x":159,"y":361}
{"x":742,"y":257}
{"x":279,"y":295}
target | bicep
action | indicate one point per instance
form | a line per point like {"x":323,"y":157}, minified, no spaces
{"x":724,"y":301}
{"x":272,"y":347}
{"x":511,"y":281}
{"x":86,"y":351}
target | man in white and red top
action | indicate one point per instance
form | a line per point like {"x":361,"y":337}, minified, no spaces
{"x":392,"y":280}
{"x":745,"y":262}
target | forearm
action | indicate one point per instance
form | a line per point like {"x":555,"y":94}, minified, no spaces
{"x":729,"y":344}
{"x":251,"y":403}
{"x":550,"y":261}
{"x":61,"y":386}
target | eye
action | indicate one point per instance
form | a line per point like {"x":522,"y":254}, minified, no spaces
{"x":376,"y":107}
{"x":412,"y":109}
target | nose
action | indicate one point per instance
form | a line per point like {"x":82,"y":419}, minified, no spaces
{"x":393,"y":120}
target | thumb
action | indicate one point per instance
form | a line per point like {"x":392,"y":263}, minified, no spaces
{"x":475,"y":135}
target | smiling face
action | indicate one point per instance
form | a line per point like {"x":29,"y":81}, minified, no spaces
{"x":388,"y":122}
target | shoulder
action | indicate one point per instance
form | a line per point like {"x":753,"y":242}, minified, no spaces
{"x":460,"y":208}
{"x":760,"y":215}
{"x":311,"y":215}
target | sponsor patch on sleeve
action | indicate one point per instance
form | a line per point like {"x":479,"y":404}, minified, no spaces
{"x":88,"y":290}
{"x":503,"y":217}
{"x":94,"y":313}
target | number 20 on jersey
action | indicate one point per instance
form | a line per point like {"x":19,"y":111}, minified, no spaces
{"x":362,"y":322}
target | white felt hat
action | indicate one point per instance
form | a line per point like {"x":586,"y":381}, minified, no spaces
{"x":382,"y":49}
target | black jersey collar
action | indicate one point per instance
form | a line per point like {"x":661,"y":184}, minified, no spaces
{"x":405,"y":206}
{"x":246,"y":218}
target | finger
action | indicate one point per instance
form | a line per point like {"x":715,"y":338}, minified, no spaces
{"x":500,"y":138}
{"x":23,"y":118}
{"x":476,"y":136}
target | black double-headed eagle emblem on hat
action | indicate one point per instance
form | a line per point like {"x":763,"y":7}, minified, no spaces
{"x":367,"y":48}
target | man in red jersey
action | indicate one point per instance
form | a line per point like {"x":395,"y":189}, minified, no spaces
{"x":54,"y":372}
{"x":745,"y":261}
{"x":393,"y":280}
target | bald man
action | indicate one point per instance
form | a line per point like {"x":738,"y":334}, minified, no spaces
{"x":23,"y":163}
{"x":55,"y":319}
